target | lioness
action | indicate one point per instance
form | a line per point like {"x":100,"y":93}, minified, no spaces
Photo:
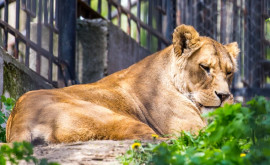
{"x":164,"y":93}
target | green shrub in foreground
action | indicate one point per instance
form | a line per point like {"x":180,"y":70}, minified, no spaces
{"x":8,"y":104}
{"x":235,"y":135}
{"x":20,"y":151}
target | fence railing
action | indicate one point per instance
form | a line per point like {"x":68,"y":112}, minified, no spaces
{"x":25,"y":38}
{"x":149,"y":22}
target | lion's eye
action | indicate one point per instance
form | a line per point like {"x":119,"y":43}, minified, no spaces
{"x":229,"y":73}
{"x":206,"y":68}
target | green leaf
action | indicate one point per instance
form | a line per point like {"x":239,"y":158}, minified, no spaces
{"x":3,"y":98}
{"x":2,"y":159}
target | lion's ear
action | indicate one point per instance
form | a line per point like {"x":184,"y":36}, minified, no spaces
{"x":184,"y":37}
{"x":233,"y":49}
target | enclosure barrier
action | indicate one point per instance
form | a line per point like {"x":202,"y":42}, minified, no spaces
{"x":160,"y":22}
{"x":56,"y":18}
{"x":242,"y":21}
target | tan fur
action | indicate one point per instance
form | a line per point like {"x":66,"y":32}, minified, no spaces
{"x":162,"y":94}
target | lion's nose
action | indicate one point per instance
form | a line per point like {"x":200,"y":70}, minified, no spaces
{"x":222,"y":96}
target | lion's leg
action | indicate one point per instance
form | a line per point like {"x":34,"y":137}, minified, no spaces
{"x":76,"y":121}
{"x":98,"y":123}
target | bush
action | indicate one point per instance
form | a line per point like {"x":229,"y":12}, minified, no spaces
{"x":235,"y":135}
{"x":8,"y":104}
{"x":20,"y":151}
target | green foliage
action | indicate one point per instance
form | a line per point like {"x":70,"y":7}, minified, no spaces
{"x":235,"y":135}
{"x":8,"y":104}
{"x":138,"y":154}
{"x":20,"y":151}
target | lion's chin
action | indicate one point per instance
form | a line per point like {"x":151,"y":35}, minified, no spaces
{"x":206,"y":109}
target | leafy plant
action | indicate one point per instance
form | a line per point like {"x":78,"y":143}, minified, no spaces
{"x":235,"y":135}
{"x":20,"y":151}
{"x":8,"y":104}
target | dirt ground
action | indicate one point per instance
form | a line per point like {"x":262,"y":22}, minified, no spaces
{"x":102,"y":152}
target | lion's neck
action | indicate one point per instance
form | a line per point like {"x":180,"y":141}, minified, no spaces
{"x":177,"y":76}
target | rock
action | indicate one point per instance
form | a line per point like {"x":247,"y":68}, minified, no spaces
{"x":81,"y":153}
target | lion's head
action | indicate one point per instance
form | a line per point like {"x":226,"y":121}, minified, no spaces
{"x":207,"y":67}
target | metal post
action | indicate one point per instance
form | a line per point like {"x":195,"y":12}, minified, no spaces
{"x":17,"y":24}
{"x":253,"y":54}
{"x":149,"y":22}
{"x":6,"y":20}
{"x":67,"y":34}
{"x":138,"y":23}
{"x":171,"y":18}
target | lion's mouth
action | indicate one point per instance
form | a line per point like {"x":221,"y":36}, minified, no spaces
{"x":199,"y":105}
{"x":208,"y":107}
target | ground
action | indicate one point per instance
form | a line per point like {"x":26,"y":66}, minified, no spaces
{"x":100,"y":152}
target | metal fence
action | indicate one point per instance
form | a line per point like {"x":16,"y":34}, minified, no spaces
{"x":23,"y":24}
{"x":226,"y":21}
{"x":242,"y":21}
{"x":150,"y":23}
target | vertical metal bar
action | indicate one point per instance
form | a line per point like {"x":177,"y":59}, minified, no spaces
{"x":89,"y":3}
{"x":253,"y":53}
{"x":149,"y":23}
{"x":138,"y":23}
{"x":234,"y":36}
{"x":159,"y":22}
{"x":109,"y":10}
{"x":171,"y":18}
{"x":67,"y":36}
{"x":189,"y":7}
{"x":34,"y":6}
{"x":24,"y":3}
{"x":182,"y":10}
{"x":119,"y":13}
{"x":27,"y":29}
{"x":199,"y":17}
{"x":17,"y":27}
{"x":45,"y":11}
{"x":262,"y":79}
{"x":223,"y":21}
{"x":191,"y":12}
{"x":51,"y":40}
{"x":128,"y":15}
{"x":246,"y":57}
{"x":235,"y":20}
{"x":56,"y":13}
{"x":242,"y":43}
{"x":99,"y":6}
{"x":6,"y":20}
{"x":214,"y":9}
{"x":39,"y":36}
{"x":195,"y":13}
